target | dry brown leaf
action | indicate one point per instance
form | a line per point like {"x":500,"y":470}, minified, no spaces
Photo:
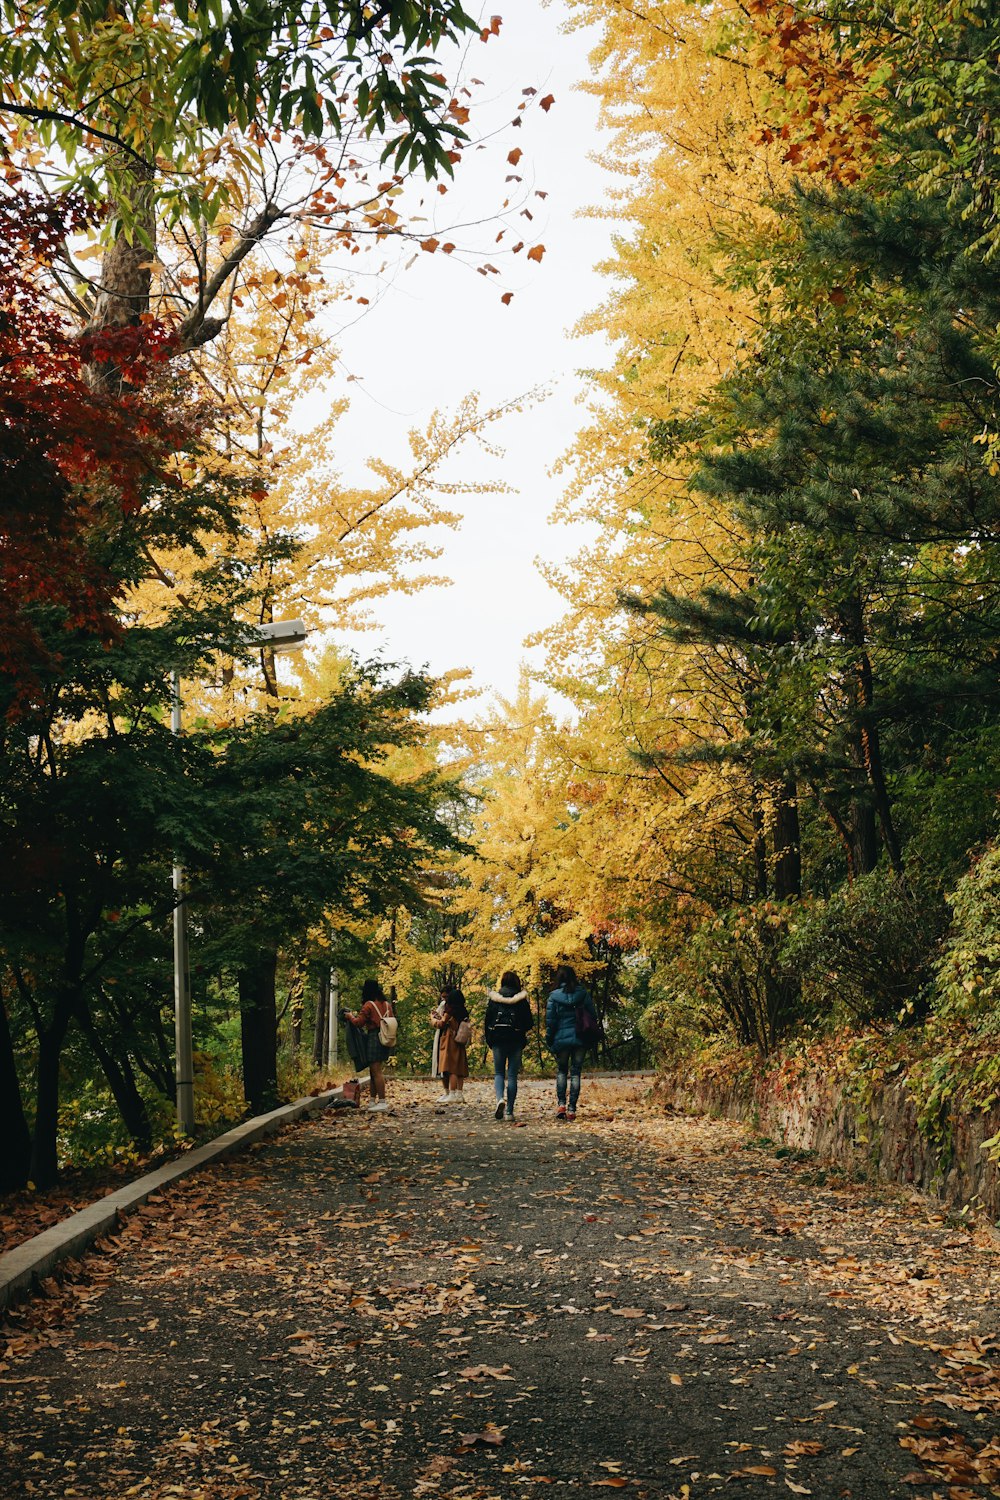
{"x":476,"y":1372}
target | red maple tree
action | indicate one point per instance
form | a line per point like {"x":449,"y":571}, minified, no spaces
{"x":72,"y":456}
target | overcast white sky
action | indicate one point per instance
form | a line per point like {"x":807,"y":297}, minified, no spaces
{"x":440,"y":330}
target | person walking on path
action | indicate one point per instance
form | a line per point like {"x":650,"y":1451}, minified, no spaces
{"x":569,"y":1012}
{"x":452,"y":1022}
{"x":508,"y":1021}
{"x":375,"y":1008}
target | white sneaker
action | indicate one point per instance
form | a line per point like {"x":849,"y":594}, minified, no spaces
{"x":379,"y":1107}
{"x":443,"y":1099}
{"x":458,"y":1097}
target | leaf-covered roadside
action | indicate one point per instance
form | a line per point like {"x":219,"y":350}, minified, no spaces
{"x":432,"y":1304}
{"x":30,"y":1211}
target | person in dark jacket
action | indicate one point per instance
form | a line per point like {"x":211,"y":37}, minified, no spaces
{"x":563,"y":1038}
{"x":508,"y":1021}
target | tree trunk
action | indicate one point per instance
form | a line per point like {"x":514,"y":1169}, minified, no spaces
{"x":872,"y":751}
{"x":760,"y":872}
{"x":296,"y":997}
{"x":606,"y":1006}
{"x":864,"y":836}
{"x":839,"y":827}
{"x":785,"y":842}
{"x":259,"y":1031}
{"x":121,"y":1081}
{"x":126,"y":274}
{"x":15,"y":1137}
{"x":44,"y":1156}
{"x":873,"y":810}
{"x":321,"y":1030}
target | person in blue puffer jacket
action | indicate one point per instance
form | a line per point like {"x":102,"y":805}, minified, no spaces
{"x":562,"y":1034}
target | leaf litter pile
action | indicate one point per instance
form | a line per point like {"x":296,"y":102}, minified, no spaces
{"x":430,"y":1303}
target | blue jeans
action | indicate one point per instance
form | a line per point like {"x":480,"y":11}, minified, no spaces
{"x":507,"y":1059}
{"x":569,"y":1061}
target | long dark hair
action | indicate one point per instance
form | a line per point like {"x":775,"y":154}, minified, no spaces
{"x":372,"y":990}
{"x":510,"y":981}
{"x":566,"y":978}
{"x":455,"y":1005}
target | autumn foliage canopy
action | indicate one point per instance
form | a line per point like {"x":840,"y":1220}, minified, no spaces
{"x":73,"y":459}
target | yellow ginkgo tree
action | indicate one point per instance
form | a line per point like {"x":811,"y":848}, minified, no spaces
{"x":672,"y":823}
{"x":309,"y":544}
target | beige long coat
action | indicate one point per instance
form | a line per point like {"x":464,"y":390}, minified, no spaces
{"x":452,"y":1055}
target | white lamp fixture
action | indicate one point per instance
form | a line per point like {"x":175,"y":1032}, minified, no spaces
{"x":282,"y":635}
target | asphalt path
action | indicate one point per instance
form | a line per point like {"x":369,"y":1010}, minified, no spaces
{"x":433,"y":1303}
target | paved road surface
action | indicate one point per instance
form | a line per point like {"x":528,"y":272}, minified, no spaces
{"x":434,"y":1304}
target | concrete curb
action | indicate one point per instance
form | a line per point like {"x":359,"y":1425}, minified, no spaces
{"x":22,"y":1268}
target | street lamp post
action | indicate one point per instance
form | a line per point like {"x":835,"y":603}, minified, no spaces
{"x":281,"y":635}
{"x":183,"y":1039}
{"x":333,"y":1018}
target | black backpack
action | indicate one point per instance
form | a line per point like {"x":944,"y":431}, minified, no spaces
{"x":504,"y":1022}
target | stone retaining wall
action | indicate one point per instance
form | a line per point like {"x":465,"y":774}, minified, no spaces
{"x":884,"y":1139}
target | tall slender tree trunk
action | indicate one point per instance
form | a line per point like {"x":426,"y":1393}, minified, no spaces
{"x":840,"y":828}
{"x":606,"y":1006}
{"x":296,"y":1006}
{"x":321,"y":1029}
{"x":15,"y":1137}
{"x":871,"y":747}
{"x":874,"y":812}
{"x":785,"y":842}
{"x":760,"y":871}
{"x":259,"y":1030}
{"x":864,"y":834}
{"x":121,"y":1081}
{"x":44,"y":1154}
{"x":392,"y":956}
